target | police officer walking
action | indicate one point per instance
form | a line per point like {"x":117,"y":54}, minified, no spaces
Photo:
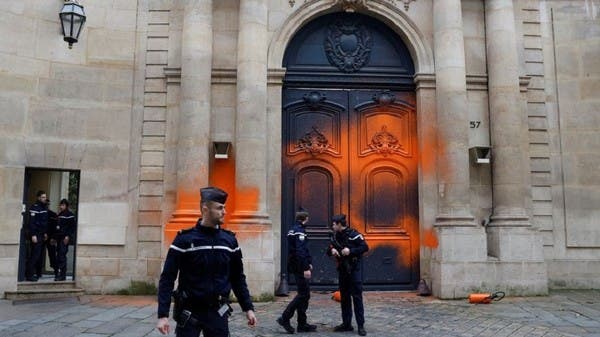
{"x":38,"y":223}
{"x":62,"y":234}
{"x":299,"y":264}
{"x":348,"y":246}
{"x":208,"y":262}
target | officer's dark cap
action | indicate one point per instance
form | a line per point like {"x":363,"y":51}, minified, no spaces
{"x":213,"y":194}
{"x":341,"y":218}
{"x":64,"y":202}
{"x":301,"y":214}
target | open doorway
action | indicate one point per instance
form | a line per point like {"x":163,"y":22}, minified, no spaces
{"x":57,"y":184}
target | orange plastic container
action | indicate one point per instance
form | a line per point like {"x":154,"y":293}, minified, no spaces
{"x":486,"y":298}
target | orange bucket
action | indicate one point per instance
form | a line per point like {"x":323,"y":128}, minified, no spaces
{"x":486,"y":298}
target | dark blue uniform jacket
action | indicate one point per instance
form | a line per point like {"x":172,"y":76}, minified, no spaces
{"x":209,"y":264}
{"x":353,"y":240}
{"x":299,"y":259}
{"x":38,"y":219}
{"x":64,"y":226}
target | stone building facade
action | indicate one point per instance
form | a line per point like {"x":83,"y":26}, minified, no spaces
{"x":137,"y":106}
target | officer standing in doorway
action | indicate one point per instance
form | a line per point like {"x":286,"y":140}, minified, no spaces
{"x":208,"y":262}
{"x":347,"y":246}
{"x":38,"y":226}
{"x":300,"y":265}
{"x":62,"y":234}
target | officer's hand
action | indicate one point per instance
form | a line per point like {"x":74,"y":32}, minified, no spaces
{"x":34,"y":238}
{"x":307,"y":274}
{"x":251,"y":318}
{"x":310,"y":267}
{"x":346,"y":251}
{"x":335,"y":252}
{"x":66,"y":240}
{"x":163,"y":325}
{"x":45,"y":236}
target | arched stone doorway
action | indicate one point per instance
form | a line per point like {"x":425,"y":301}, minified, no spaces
{"x":349,"y":144}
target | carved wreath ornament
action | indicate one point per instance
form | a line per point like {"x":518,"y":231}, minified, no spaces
{"x":348,"y":45}
{"x":313,"y":142}
{"x":385,"y":143}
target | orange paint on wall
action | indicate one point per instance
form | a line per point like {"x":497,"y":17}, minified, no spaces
{"x":430,"y":238}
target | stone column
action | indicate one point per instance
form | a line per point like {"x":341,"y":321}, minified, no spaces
{"x":511,"y":192}
{"x":193,"y":144}
{"x":452,"y":114}
{"x":251,"y":124}
{"x":462,"y":244}
{"x":250,"y":219}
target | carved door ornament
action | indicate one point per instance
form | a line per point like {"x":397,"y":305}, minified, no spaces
{"x":384,"y":98}
{"x":314,"y":99}
{"x":385,"y":143}
{"x":348,"y":45}
{"x":313,"y":142}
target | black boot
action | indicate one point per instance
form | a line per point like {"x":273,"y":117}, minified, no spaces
{"x":362,"y":331}
{"x":306,"y":327}
{"x":343,"y":327}
{"x":286,"y":325}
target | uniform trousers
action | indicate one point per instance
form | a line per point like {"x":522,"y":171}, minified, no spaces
{"x":210,"y":323}
{"x":351,"y":292}
{"x":300,"y":302}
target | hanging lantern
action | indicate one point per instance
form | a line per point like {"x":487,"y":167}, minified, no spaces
{"x":72,"y":18}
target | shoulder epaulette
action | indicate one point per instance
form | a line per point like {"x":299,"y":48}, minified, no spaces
{"x":184,"y":231}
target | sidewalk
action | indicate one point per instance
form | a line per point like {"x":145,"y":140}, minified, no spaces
{"x":388,"y":314}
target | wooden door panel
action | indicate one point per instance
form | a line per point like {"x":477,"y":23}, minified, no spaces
{"x":354,"y":152}
{"x":383,"y":171}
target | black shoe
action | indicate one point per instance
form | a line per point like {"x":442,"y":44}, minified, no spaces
{"x":31,"y":279}
{"x":286,"y":325}
{"x":362,"y":331}
{"x":343,"y":327}
{"x":306,"y":328}
{"x":60,"y":278}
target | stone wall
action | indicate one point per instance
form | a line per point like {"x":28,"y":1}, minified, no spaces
{"x":571,"y":41}
{"x":70,"y":109}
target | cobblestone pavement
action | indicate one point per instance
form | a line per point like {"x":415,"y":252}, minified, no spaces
{"x":388,"y":314}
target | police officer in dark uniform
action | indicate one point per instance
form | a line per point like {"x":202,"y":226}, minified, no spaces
{"x":38,"y":223}
{"x":300,"y":265}
{"x":208,"y":262}
{"x":348,"y":246}
{"x":61,"y":233}
{"x":50,"y":244}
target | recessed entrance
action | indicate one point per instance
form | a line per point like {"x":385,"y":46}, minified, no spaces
{"x":58,"y":184}
{"x":350,"y":144}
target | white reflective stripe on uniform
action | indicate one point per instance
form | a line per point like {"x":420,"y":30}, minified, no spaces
{"x":296,"y":233}
{"x":66,"y":217}
{"x":39,"y":212}
{"x":356,"y":237}
{"x":205,"y":248}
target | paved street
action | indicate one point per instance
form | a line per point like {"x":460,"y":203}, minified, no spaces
{"x":388,"y":314}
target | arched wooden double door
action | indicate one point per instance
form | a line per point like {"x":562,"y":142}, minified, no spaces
{"x":350,"y":145}
{"x":354,"y":152}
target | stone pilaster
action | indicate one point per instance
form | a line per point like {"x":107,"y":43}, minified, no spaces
{"x":510,"y":236}
{"x":452,"y":115}
{"x":194,"y":112}
{"x":250,"y":219}
{"x":461,"y":242}
{"x":251,"y":136}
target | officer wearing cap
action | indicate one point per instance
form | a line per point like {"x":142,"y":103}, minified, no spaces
{"x":38,"y":226}
{"x":300,"y":265}
{"x":347,"y":245}
{"x":208,"y":262}
{"x":62,"y":232}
